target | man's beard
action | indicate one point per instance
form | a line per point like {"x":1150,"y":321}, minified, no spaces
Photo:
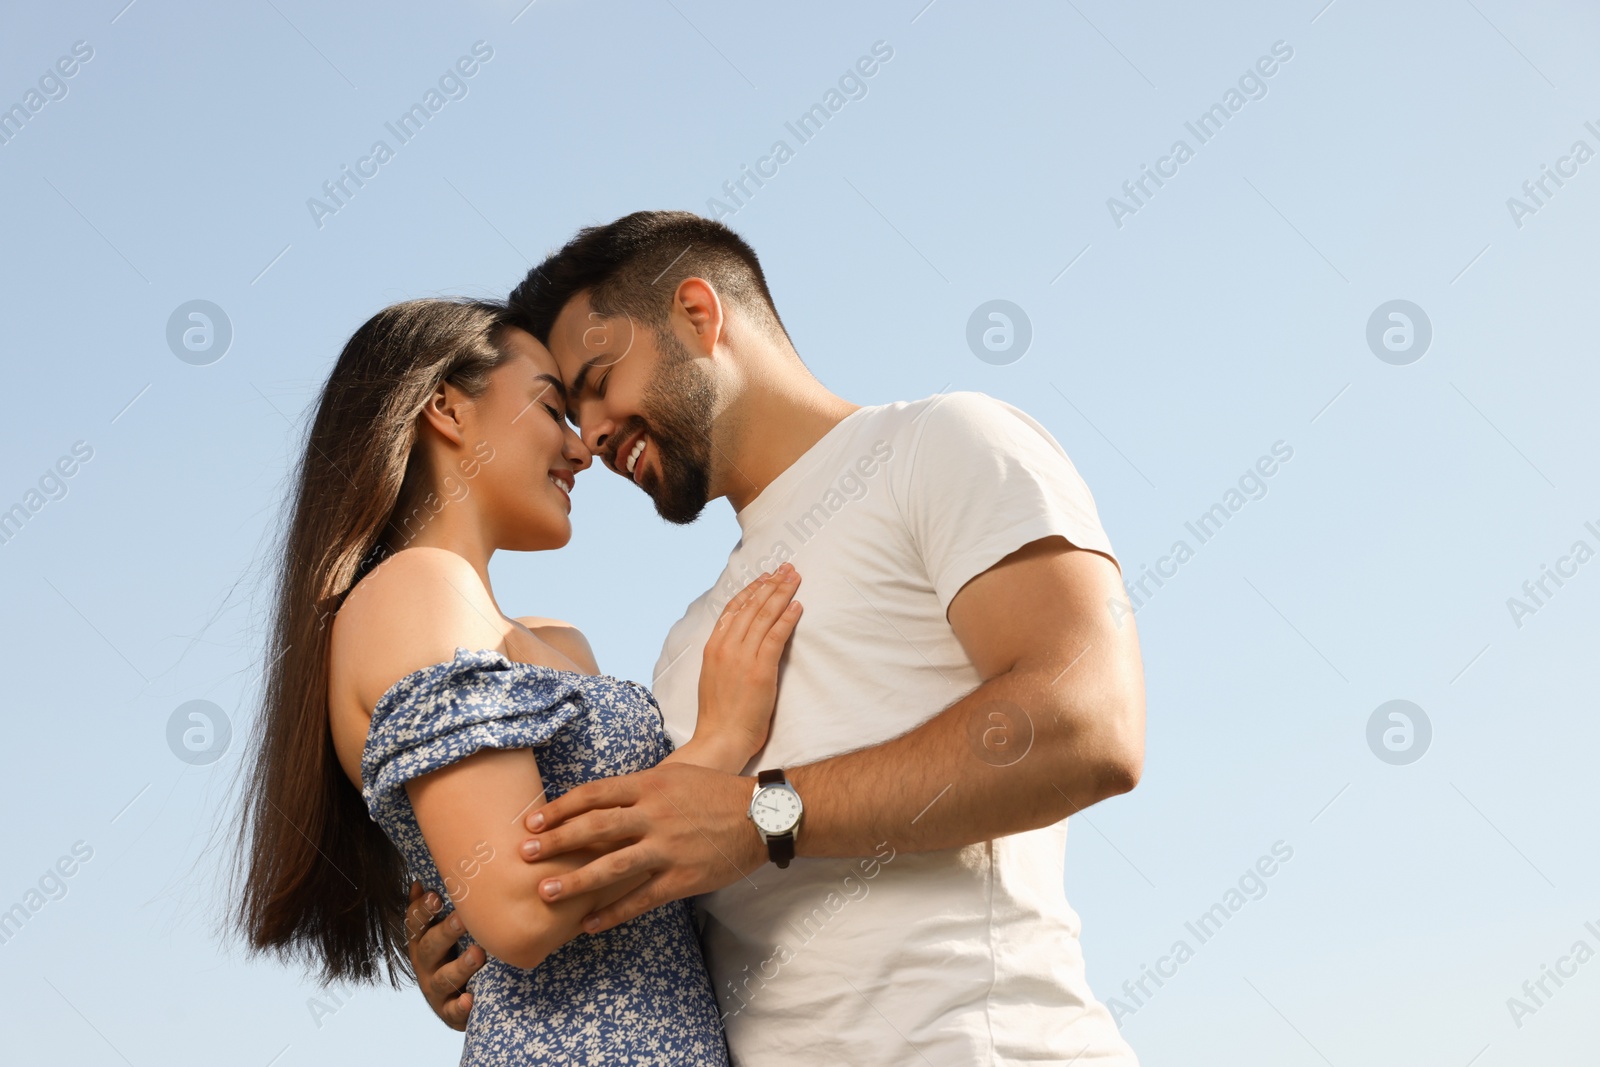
{"x":679,"y":404}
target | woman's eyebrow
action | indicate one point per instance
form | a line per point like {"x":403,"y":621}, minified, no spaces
{"x":557,"y":383}
{"x":552,"y":382}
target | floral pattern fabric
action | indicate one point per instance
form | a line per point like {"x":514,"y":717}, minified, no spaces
{"x":637,"y":994}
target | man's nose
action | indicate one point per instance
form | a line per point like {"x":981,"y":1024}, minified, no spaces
{"x":596,"y":434}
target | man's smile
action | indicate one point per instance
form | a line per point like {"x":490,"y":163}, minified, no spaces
{"x":627,"y":460}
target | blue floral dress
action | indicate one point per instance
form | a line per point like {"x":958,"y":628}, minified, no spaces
{"x":636,"y":994}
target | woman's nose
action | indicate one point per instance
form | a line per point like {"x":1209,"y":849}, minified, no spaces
{"x":577,"y":452}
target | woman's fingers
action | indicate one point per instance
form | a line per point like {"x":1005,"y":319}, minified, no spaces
{"x":731,"y":609}
{"x":778,"y":634}
{"x":739,"y":628}
{"x":784,"y":586}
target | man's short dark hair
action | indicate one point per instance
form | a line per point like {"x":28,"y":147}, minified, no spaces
{"x":634,"y":265}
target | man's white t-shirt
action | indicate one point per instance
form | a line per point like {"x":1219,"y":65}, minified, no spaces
{"x":958,"y":957}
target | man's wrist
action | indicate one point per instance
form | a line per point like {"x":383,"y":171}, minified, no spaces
{"x":809,"y":820}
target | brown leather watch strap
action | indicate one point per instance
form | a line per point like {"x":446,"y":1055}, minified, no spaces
{"x":771,"y":777}
{"x":780,"y":848}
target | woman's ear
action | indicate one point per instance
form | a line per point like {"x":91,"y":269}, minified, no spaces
{"x":444,"y":411}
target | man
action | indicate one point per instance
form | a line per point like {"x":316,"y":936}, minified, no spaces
{"x":956,"y":689}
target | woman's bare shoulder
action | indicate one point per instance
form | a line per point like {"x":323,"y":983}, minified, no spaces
{"x":564,"y":638}
{"x":414,"y":610}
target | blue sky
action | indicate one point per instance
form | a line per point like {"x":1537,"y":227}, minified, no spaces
{"x":1172,"y":347}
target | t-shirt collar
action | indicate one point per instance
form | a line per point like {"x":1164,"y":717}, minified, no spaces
{"x":782,"y":486}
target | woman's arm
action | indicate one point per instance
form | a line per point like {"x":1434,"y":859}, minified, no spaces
{"x":471,"y":812}
{"x":470,"y":815}
{"x":412,"y":612}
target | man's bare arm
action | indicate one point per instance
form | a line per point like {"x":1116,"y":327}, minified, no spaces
{"x":1055,"y":661}
{"x":1057,"y":725}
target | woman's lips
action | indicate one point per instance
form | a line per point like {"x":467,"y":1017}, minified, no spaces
{"x":558,"y":479}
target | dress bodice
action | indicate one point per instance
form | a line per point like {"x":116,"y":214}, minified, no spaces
{"x":635,"y":994}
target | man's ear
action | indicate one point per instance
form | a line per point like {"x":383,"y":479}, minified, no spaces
{"x":697,"y":306}
{"x":443,"y":412}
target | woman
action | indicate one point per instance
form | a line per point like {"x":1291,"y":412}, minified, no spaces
{"x":408,"y":722}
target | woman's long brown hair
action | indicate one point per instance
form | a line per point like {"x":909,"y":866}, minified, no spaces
{"x":317,"y":880}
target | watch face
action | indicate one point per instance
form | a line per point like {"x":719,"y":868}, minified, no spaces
{"x":775,"y":809}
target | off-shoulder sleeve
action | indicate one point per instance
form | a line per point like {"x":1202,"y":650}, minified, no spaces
{"x":442,"y":714}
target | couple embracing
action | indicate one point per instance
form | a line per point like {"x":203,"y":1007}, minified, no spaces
{"x":834,"y":830}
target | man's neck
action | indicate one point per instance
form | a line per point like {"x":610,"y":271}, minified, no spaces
{"x":772,"y":426}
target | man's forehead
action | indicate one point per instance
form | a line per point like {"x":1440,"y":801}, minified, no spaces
{"x":582,"y":340}
{"x":566,"y":332}
{"x":567,"y":337}
{"x":575,"y":311}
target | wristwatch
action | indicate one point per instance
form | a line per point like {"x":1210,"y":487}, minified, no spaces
{"x":775,"y":808}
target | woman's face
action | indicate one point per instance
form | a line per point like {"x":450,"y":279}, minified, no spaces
{"x":519,"y":456}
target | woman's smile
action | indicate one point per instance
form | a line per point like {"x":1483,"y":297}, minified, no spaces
{"x":565,"y":481}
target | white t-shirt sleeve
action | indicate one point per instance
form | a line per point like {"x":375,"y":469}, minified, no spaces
{"x":984,"y":479}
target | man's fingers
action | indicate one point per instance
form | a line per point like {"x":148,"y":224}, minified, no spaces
{"x":434,"y":946}
{"x":590,"y":829}
{"x":422,"y":911}
{"x":415,"y":922}
{"x":621,"y":910}
{"x":604,"y":793}
{"x":456,"y":1011}
{"x":452,"y":977}
{"x":431,"y":942}
{"x":607,"y":870}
